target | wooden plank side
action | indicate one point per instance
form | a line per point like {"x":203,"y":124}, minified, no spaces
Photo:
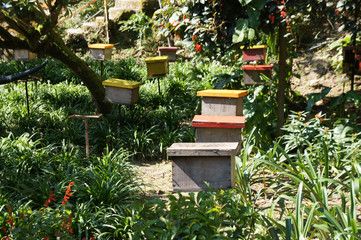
{"x":204,"y":149}
{"x":218,"y":134}
{"x":191,"y":173}
{"x":222,"y":106}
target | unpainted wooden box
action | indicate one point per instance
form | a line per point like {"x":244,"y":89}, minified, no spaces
{"x":23,"y":55}
{"x":171,"y":52}
{"x":101,"y":51}
{"x":222,"y":102}
{"x":218,"y":134}
{"x":349,"y":59}
{"x":252,"y":73}
{"x":254,"y":53}
{"x":212,"y":128}
{"x":157,"y":66}
{"x":120,"y":91}
{"x":193,"y":164}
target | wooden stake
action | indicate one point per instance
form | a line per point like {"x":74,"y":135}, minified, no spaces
{"x":106,"y":20}
{"x":27,"y":97}
{"x":86,"y":117}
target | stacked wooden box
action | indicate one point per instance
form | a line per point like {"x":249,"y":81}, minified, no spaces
{"x":211,"y":158}
{"x":252,"y":73}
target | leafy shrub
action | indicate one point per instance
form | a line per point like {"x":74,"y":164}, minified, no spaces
{"x":207,"y":215}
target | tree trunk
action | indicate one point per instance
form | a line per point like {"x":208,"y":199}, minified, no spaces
{"x":281,"y":79}
{"x":57,"y":49}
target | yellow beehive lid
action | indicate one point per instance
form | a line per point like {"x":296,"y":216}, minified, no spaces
{"x":255,"y":47}
{"x":227,"y":93}
{"x":113,"y":82}
{"x":100,"y":45}
{"x":156,"y":59}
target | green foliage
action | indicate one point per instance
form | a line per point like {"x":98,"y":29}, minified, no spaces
{"x":260,"y":110}
{"x":205,"y":215}
{"x":139,"y":24}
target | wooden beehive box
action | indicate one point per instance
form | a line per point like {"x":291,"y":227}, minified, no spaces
{"x":222,"y":102}
{"x":121,"y":91}
{"x":349,"y":59}
{"x":171,"y":52}
{"x":254,"y":53}
{"x":252,"y":73}
{"x":212,"y":128}
{"x":157,"y":66}
{"x":101,"y":51}
{"x":193,"y":164}
{"x":23,"y":55}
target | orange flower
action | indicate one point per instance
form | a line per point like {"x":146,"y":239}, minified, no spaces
{"x":283,"y":13}
{"x":184,"y":16}
{"x":67,"y":193}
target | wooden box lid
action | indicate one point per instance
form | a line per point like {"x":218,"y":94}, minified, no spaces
{"x":225,"y":93}
{"x":257,"y":67}
{"x":100,"y":46}
{"x":216,"y":121}
{"x":255,"y":47}
{"x":204,"y":149}
{"x":121,"y":83}
{"x":168,"y":49}
{"x":156,"y":59}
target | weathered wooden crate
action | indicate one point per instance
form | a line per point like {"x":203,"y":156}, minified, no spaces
{"x":252,"y":73}
{"x":171,"y":52}
{"x":254,"y":53}
{"x":157,"y":66}
{"x":350,"y":60}
{"x":23,"y":55}
{"x":212,"y":128}
{"x":121,"y":91}
{"x":193,"y":164}
{"x":222,"y":102}
{"x":101,"y":51}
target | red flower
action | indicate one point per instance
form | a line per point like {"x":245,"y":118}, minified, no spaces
{"x":283,"y":13}
{"x":184,"y":16}
{"x":46,"y":237}
{"x":67,"y":193}
{"x":50,"y":199}
{"x":194,"y":37}
{"x":337,"y":11}
{"x":198,"y":47}
{"x":5,"y":230}
{"x":272,"y":18}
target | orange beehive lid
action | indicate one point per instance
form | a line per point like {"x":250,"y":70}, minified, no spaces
{"x":258,"y":67}
{"x":216,"y":121}
{"x":225,"y":93}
